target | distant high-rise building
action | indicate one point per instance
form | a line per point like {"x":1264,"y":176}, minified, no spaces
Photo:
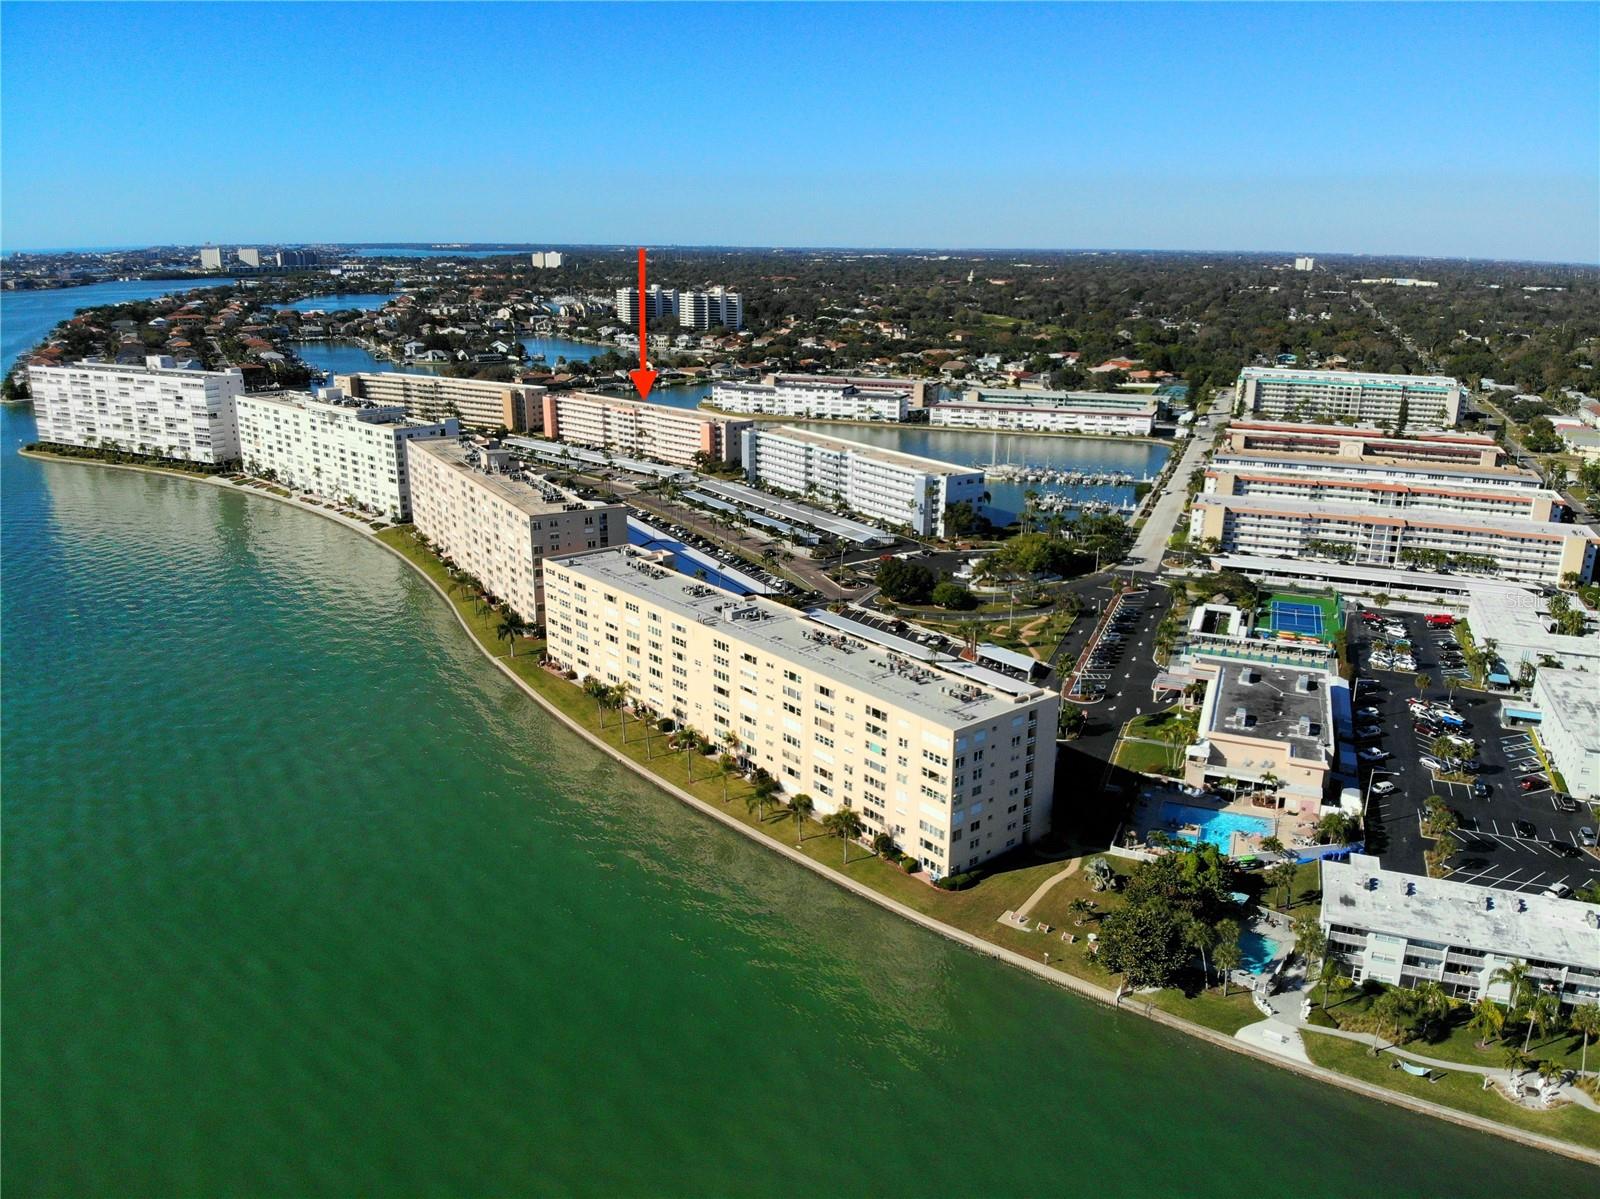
{"x":249,"y":256}
{"x":658,"y":302}
{"x":1305,"y":264}
{"x":296,"y":258}
{"x":704,"y":309}
{"x":546,"y":260}
{"x":211,"y":258}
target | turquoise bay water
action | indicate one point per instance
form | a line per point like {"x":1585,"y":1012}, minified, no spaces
{"x":340,"y":302}
{"x":302,"y":898}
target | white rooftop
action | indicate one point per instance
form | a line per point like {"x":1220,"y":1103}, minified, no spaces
{"x":827,"y":441}
{"x":1362,"y":894}
{"x":1420,"y":517}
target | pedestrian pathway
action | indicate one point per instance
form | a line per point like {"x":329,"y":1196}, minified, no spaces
{"x":1040,"y":891}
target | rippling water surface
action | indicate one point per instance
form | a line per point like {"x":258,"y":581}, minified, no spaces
{"x":302,"y":898}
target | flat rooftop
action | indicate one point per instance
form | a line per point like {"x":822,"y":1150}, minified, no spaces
{"x":1285,"y":461}
{"x":794,"y":512}
{"x":1274,"y":703}
{"x":1575,"y":693}
{"x":1416,"y":517}
{"x":1512,"y":925}
{"x":827,"y":441}
{"x":528,"y":491}
{"x":942,"y":695}
{"x":630,"y":402}
{"x":138,"y":368}
{"x":1054,"y":401}
{"x":1363,"y":432}
{"x":1354,"y":378}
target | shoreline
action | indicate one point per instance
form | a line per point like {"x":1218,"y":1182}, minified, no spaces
{"x":1079,"y":986}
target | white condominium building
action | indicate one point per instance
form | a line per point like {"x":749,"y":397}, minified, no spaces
{"x":1277,"y":527}
{"x":823,"y":399}
{"x":880,"y":485}
{"x":635,"y":428}
{"x":1360,"y":444}
{"x":1568,"y":702}
{"x":333,"y":446}
{"x":1405,"y":929}
{"x":1048,"y":412}
{"x":1425,"y":474}
{"x":955,"y":762}
{"x":153,"y":409}
{"x":1423,"y":401}
{"x":546,"y":260}
{"x":659,"y":302}
{"x":704,"y":309}
{"x":211,"y":258}
{"x":1376,"y":488}
{"x":498,"y":521}
{"x":915,"y":389}
{"x":476,"y":403}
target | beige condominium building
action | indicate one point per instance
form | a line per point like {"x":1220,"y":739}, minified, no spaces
{"x":476,"y":403}
{"x":884,"y":486}
{"x":334,"y":446}
{"x":1380,"y":489}
{"x":1266,"y":725}
{"x":1524,"y":551}
{"x":955,"y":762}
{"x":915,"y":390}
{"x":823,"y":399}
{"x":635,"y":428}
{"x":499,"y":521}
{"x":1047,"y":411}
{"x":1311,"y":443}
{"x":153,"y":409}
{"x":1413,"y":401}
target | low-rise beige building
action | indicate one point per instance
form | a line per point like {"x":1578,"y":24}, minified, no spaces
{"x":476,"y":403}
{"x":954,"y":761}
{"x":635,"y":428}
{"x":498,"y":521}
{"x":1360,"y":443}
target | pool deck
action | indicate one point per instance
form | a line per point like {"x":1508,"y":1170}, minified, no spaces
{"x":1148,"y":816}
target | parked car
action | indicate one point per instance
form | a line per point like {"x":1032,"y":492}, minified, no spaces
{"x":1429,"y":762}
{"x":1374,"y":713}
{"x":1557,"y":891}
{"x":1586,"y":836}
{"x":1371,"y":753}
{"x":1563,"y":803}
{"x":1481,"y":790}
{"x":1441,"y":620}
{"x":1369,"y":732}
{"x":1524,"y":830}
{"x":1565,"y":848}
{"x":1383,"y":787}
{"x":1532,"y":782}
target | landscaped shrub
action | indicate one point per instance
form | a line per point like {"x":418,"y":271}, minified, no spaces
{"x":666,"y":724}
{"x":959,"y":882}
{"x":909,"y":864}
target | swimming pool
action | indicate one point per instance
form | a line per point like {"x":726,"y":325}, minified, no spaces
{"x":1258,"y":951}
{"x":1215,"y":827}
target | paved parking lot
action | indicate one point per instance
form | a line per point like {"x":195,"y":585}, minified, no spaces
{"x":1509,"y":838}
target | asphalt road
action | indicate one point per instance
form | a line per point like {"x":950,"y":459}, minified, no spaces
{"x":1492,"y":851}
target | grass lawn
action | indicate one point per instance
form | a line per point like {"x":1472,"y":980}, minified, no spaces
{"x":1145,"y":758}
{"x":1461,"y":1091}
{"x":1210,"y":1008}
{"x":1151,"y":724}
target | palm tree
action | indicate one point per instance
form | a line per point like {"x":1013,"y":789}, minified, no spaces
{"x":1310,"y":940}
{"x":844,"y":824}
{"x":1197,"y":934}
{"x":1519,"y":985}
{"x":506,"y":630}
{"x":1433,"y":1002}
{"x":765,"y":787}
{"x":1585,"y":1020}
{"x":800,"y":807}
{"x":882,"y":843}
{"x":1544,"y":1013}
{"x":1423,"y":682}
{"x":1393,"y":1011}
{"x":1271,"y":845}
{"x":619,"y":696}
{"x":726,"y":764}
{"x":1488,"y":1020}
{"x":689,"y":741}
{"x":1516,"y":1062}
{"x":596,"y":690}
{"x":1080,"y":909}
{"x":1283,"y":875}
{"x":1228,"y":956}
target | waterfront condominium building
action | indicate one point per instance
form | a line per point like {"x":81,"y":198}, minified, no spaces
{"x":1374,"y":486}
{"x":880,"y":485}
{"x":634,"y":428}
{"x":1274,"y":526}
{"x":250,"y":256}
{"x":1409,"y":401}
{"x":498,"y":521}
{"x":954,"y":761}
{"x":1405,"y":929}
{"x":1048,"y":411}
{"x":211,"y":258}
{"x":916,"y":390}
{"x":1309,"y":444}
{"x":152,"y":409}
{"x":659,"y":302}
{"x":476,"y":403}
{"x":334,"y":446}
{"x":706,"y":309}
{"x":824,"y":399}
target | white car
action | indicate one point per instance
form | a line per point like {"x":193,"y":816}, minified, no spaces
{"x":1371,"y":753}
{"x":1557,"y":891}
{"x":1430,"y":762}
{"x":1383,"y":788}
{"x":1370,"y":713}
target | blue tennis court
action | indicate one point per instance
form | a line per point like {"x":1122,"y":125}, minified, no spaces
{"x":1293,"y":616}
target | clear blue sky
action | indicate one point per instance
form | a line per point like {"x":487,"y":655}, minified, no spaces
{"x":1412,"y":129}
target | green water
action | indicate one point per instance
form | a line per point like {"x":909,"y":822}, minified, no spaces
{"x":301,"y":898}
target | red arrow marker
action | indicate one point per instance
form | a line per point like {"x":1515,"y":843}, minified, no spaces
{"x":644,"y":378}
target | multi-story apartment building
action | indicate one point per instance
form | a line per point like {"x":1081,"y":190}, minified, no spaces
{"x":1278,"y":527}
{"x":659,"y":302}
{"x":250,"y":256}
{"x":499,"y":521}
{"x":211,"y":258}
{"x":705,"y":309}
{"x":334,"y":446}
{"x":1568,"y":702}
{"x":1310,"y":443}
{"x":1377,"y":488}
{"x":635,"y":428}
{"x":1048,"y":411}
{"x":1410,"y":401}
{"x":296,"y":258}
{"x":1262,"y":718}
{"x":476,"y":403}
{"x":1405,"y":929}
{"x":880,"y":485}
{"x":955,"y":762}
{"x":546,"y":260}
{"x":152,"y":409}
{"x":823,"y":399}
{"x":916,"y":390}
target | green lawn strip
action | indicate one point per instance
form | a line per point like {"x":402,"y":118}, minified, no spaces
{"x":1144,"y":757}
{"x":1462,"y":1091}
{"x":1151,"y":724}
{"x":1224,"y":1014}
